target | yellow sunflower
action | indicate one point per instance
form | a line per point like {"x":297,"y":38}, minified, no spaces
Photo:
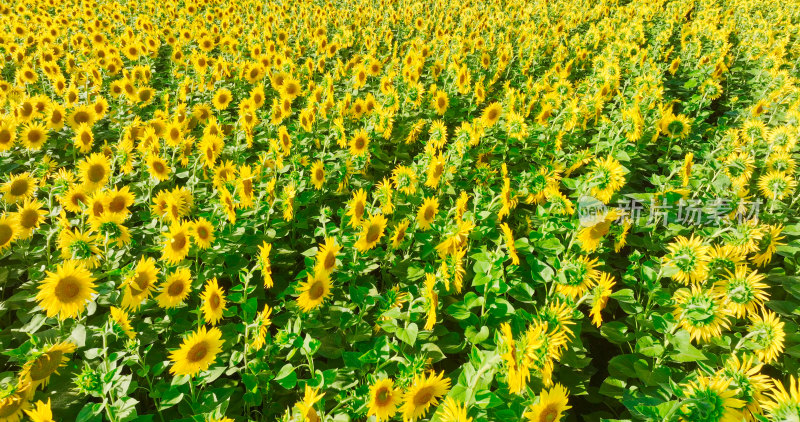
{"x":743,"y":291}
{"x":711,"y":397}
{"x":426,"y":213}
{"x":424,"y":392}
{"x":606,"y":178}
{"x":65,"y":292}
{"x":491,"y":114}
{"x":263,"y":322}
{"x":95,"y":172}
{"x":326,"y":256}
{"x":14,"y":401}
{"x":175,"y":288}
{"x":689,"y":259}
{"x":383,"y":399}
{"x":197,"y":352}
{"x":176,"y":243}
{"x":785,"y":403}
{"x":318,"y":174}
{"x":700,"y":312}
{"x":121,"y":318}
{"x":140,"y":284}
{"x":19,"y":188}
{"x":314,"y":291}
{"x":356,"y":207}
{"x":360,"y":143}
{"x":42,"y":412}
{"x":222,"y":98}
{"x":42,"y":365}
{"x":213,"y":302}
{"x":551,"y":406}
{"x":766,"y":331}
{"x":202,"y":233}
{"x":9,"y":230}
{"x":33,"y":136}
{"x":371,"y":232}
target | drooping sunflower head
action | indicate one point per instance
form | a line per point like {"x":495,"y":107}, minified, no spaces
{"x":576,"y":276}
{"x":326,"y":257}
{"x":177,"y":242}
{"x":42,"y":365}
{"x":743,"y":291}
{"x":9,"y":230}
{"x":427,"y":213}
{"x":767,"y":334}
{"x":551,"y":406}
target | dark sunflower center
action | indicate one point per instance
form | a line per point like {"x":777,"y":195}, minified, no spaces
{"x":175,"y":289}
{"x":19,"y":187}
{"x":197,"y":352}
{"x":373,"y":232}
{"x":67,"y":289}
{"x":6,"y":232}
{"x":28,"y":219}
{"x":96,"y":173}
{"x":46,"y":365}
{"x":423,"y":396}
{"x":178,"y":241}
{"x":316,"y":290}
{"x":215,"y":300}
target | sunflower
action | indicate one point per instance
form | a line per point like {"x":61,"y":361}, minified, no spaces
{"x":383,"y":399}
{"x":213,"y":302}
{"x":318,"y":174}
{"x":594,"y":228}
{"x":745,"y":238}
{"x":711,"y":399}
{"x":84,"y":138}
{"x":79,"y":246}
{"x":140,"y":283}
{"x":405,"y":179}
{"x":306,"y":406}
{"x":743,"y":291}
{"x":689,"y":258}
{"x":371,"y":232}
{"x":42,"y":412}
{"x":176,"y":242}
{"x":491,"y":114}
{"x":424,"y":392}
{"x":739,"y":167}
{"x":440,"y":102}
{"x":784,"y":405}
{"x":19,"y":188}
{"x":326,"y":256}
{"x":722,"y":259}
{"x":263,"y":322}
{"x":158,"y":167}
{"x":121,"y":318}
{"x":577,"y":276}
{"x":109,"y":226}
{"x":175,"y":288}
{"x":202,"y":233}
{"x":222,"y":98}
{"x":33,"y":136}
{"x":509,"y":240}
{"x":29,"y":216}
{"x":118,"y":200}
{"x":356,"y":207}
{"x":81,"y":115}
{"x":700,"y":312}
{"x":360,"y":143}
{"x":65,"y":292}
{"x":266,"y":266}
{"x":9,"y":230}
{"x":551,"y":406}
{"x":42,"y":365}
{"x":399,"y":233}
{"x":776,"y":185}
{"x":602,"y":292}
{"x":752,"y":385}
{"x":314,"y":291}
{"x":606,"y":178}
{"x":95,"y":171}
{"x":768,"y":244}
{"x":197,"y":352}
{"x":766,"y":331}
{"x":426,"y":213}
{"x":676,"y":127}
{"x":13,"y":401}
{"x":453,"y":411}
{"x":8,"y":134}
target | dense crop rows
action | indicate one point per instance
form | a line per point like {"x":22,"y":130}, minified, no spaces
{"x":357,"y":210}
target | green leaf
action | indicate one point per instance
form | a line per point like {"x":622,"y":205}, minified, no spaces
{"x":408,"y":335}
{"x":286,"y":377}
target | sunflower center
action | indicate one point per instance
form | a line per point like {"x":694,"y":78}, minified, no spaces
{"x":46,"y":365}
{"x":86,"y":138}
{"x":202,"y":232}
{"x":373,"y":232}
{"x":359,"y":143}
{"x":330,"y":260}
{"x":5,"y":136}
{"x":96,"y":173}
{"x":549,"y":414}
{"x":140,"y":283}
{"x":19,"y":187}
{"x":197,"y":352}
{"x":158,"y":166}
{"x":81,"y":117}
{"x":34,"y":136}
{"x":6,"y":232}
{"x":215,"y":300}
{"x":492,"y":114}
{"x":316,"y":290}
{"x":28,"y":219}
{"x":175,"y":289}
{"x":428,"y":214}
{"x":178,"y":241}
{"x":10,"y":406}
{"x":383,"y":397}
{"x":67,"y":289}
{"x":319,"y":174}
{"x":359,"y":211}
{"x":423,"y":396}
{"x":117,"y":204}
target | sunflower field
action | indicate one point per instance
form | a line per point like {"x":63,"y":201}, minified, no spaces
{"x":399,"y":210}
